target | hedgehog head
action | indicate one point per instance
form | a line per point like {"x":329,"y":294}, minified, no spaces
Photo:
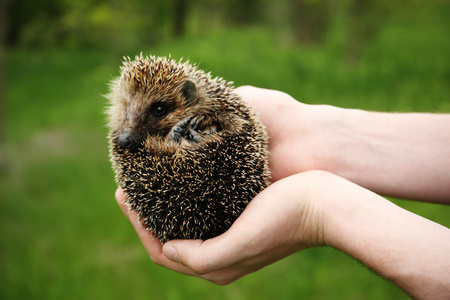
{"x":152,"y":95}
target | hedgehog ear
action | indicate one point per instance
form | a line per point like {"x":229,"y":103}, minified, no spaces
{"x":189,"y":91}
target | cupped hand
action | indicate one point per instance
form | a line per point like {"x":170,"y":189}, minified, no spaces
{"x":281,"y":220}
{"x":297,"y":142}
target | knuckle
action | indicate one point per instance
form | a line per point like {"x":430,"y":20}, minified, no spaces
{"x":156,"y":260}
{"x":198,"y":266}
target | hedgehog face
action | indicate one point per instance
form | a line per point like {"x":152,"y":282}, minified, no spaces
{"x":147,"y":116}
{"x":159,"y":102}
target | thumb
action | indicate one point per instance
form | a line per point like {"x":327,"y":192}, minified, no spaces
{"x":203,"y":257}
{"x":171,"y":249}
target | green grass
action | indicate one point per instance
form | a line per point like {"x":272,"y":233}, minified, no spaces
{"x":62,"y":234}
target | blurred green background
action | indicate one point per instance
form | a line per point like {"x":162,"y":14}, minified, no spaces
{"x":62,"y":234}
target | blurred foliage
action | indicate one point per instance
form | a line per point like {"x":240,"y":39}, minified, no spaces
{"x":63,"y":236}
{"x":123,"y":24}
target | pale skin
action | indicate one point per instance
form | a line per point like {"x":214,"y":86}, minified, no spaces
{"x":328,"y":166}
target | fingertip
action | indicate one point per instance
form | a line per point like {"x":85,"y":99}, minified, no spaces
{"x":120,"y":195}
{"x":121,"y":200}
{"x":184,"y":252}
{"x":171,"y":253}
{"x":246,"y":91}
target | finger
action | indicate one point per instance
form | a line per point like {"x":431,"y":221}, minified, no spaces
{"x":269,"y":106}
{"x":203,"y":257}
{"x":121,"y":199}
{"x":254,"y":96}
{"x":149,"y":241}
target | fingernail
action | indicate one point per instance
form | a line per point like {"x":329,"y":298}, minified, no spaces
{"x":171,"y":253}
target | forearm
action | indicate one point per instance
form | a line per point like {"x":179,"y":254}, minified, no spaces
{"x":407,"y":249}
{"x":401,"y":155}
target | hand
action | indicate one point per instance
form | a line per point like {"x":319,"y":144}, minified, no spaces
{"x":296,"y":141}
{"x":281,"y":220}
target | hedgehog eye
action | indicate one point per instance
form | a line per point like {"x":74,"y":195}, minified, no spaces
{"x":159,"y":109}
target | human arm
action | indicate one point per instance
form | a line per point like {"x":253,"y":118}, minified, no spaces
{"x":405,"y":155}
{"x":316,"y":209}
{"x":407,"y":249}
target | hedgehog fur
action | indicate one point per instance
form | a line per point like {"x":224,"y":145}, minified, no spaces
{"x":188,"y":152}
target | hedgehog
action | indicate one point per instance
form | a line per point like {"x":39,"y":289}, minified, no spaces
{"x":188,"y":152}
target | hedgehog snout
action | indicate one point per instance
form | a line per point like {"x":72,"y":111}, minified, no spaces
{"x":126,"y":140}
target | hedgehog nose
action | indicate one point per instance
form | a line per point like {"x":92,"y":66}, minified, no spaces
{"x":126,"y":141}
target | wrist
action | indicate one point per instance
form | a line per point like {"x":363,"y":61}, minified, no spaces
{"x":325,"y":136}
{"x":330,"y":208}
{"x":353,"y":215}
